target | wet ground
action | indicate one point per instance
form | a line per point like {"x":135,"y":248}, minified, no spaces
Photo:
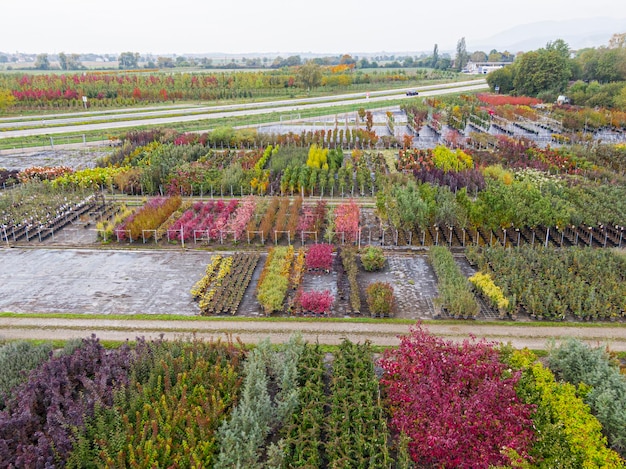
{"x":99,"y":281}
{"x":75,"y":158}
{"x":150,"y":281}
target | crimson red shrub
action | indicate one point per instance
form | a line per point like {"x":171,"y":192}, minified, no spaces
{"x":319,"y":256}
{"x":456,"y":402}
{"x":318,"y":302}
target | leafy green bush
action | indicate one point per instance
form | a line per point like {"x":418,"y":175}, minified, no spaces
{"x":257,"y":413}
{"x":168,"y":414}
{"x":373,"y":258}
{"x":577,"y":363}
{"x":567,"y":435}
{"x":348,"y":258}
{"x":16,"y":360}
{"x":274,"y":280}
{"x":380,"y":298}
{"x":490,"y":290}
{"x":454,"y":289}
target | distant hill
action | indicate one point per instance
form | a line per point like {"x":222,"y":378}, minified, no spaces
{"x":579,"y":33}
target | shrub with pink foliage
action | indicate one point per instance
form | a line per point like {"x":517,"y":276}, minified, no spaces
{"x":347,"y":220}
{"x":306,"y":221}
{"x":242,"y":216}
{"x":209,"y":217}
{"x":319,"y":256}
{"x":318,"y":302}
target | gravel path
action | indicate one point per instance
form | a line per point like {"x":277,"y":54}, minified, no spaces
{"x":326,"y":332}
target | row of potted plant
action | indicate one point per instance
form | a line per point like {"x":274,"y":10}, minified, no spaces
{"x":455,"y":296}
{"x":550,"y":283}
{"x":274,"y":280}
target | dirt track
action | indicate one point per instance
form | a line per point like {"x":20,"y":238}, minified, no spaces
{"x":537,"y":337}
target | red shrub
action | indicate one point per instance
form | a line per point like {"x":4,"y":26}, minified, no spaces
{"x":318,"y":302}
{"x":319,"y":256}
{"x":347,"y":220}
{"x":501,"y":99}
{"x":456,"y":402}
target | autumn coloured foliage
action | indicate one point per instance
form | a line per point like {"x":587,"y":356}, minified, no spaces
{"x":456,"y":402}
{"x":43,"y":173}
{"x":319,"y":257}
{"x":500,"y":100}
{"x":209,"y":217}
{"x":149,"y":217}
{"x":380,"y":298}
{"x":347,"y":220}
{"x":318,"y":302}
{"x":36,"y":425}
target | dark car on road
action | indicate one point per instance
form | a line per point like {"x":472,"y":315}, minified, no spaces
{"x":412,"y":93}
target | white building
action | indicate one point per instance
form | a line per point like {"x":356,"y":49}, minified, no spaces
{"x":482,"y":68}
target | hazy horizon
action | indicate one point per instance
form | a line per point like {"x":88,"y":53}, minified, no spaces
{"x":271,"y":27}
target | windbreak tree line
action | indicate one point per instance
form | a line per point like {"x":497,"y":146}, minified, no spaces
{"x":598,"y":74}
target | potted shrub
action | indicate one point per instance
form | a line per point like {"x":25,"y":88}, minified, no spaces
{"x":380,"y":298}
{"x":373,"y":258}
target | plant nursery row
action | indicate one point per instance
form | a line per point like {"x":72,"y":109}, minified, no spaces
{"x":426,"y":403}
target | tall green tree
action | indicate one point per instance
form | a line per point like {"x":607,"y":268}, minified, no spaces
{"x":310,"y":75}
{"x":503,"y":79}
{"x":435,"y":58}
{"x":69,"y":62}
{"x":543,"y":70}
{"x":460,"y":61}
{"x":478,"y":56}
{"x":494,"y":56}
{"x":603,"y":64}
{"x":42,"y":62}
{"x":128,"y":60}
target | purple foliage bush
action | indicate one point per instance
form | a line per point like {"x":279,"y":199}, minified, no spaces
{"x":472,"y":179}
{"x":36,"y":427}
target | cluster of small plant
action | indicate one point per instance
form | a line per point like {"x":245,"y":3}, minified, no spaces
{"x":224,"y":283}
{"x":566,"y":434}
{"x":43,"y":173}
{"x":493,"y":293}
{"x":17,"y":359}
{"x":550,"y":283}
{"x":319,"y":257}
{"x":455,"y":295}
{"x":142,"y":223}
{"x":8,"y":177}
{"x":348,"y":258}
{"x":243,"y":435}
{"x":167,"y":411}
{"x":457,"y":403}
{"x":39,"y":415}
{"x":274,"y":280}
{"x":576,"y":363}
{"x":470,"y":179}
{"x":312,"y":219}
{"x":36,"y":204}
{"x":317,"y":302}
{"x":347,"y":217}
{"x":373,"y":258}
{"x":210,"y":217}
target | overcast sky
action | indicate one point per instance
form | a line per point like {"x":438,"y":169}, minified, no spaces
{"x":271,"y":26}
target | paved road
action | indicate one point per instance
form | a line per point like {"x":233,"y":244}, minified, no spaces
{"x":536,"y":337}
{"x":218,"y":112}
